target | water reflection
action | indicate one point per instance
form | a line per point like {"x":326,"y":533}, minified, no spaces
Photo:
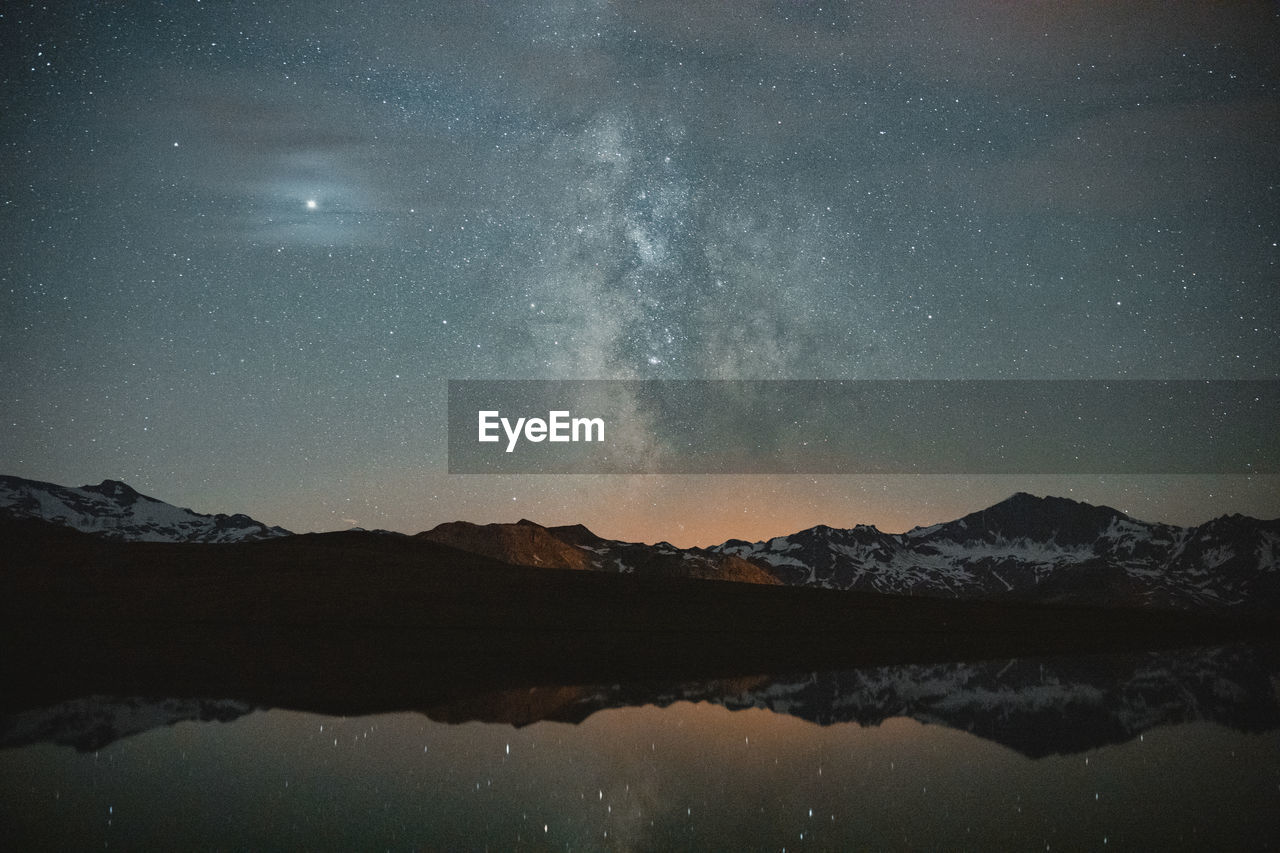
{"x":1036,"y":706}
{"x":1154,"y":750}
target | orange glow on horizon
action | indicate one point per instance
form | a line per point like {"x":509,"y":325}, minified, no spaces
{"x":704,"y":510}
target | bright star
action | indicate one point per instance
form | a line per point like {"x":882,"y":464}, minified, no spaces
{"x":311,"y":204}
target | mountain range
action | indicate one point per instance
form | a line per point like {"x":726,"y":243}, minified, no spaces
{"x":575,"y":547}
{"x":1029,"y":548}
{"x":115,"y":510}
{"x":1023,"y":549}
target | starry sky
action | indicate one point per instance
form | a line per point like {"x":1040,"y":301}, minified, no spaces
{"x":245,"y":245}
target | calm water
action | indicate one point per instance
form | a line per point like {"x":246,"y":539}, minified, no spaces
{"x":990,"y":756}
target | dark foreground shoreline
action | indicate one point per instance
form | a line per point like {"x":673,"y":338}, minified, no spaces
{"x":366,"y":623}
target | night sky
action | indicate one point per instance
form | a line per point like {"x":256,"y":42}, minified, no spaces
{"x":245,"y":245}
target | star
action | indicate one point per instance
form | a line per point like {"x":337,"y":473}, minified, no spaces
{"x":312,"y":204}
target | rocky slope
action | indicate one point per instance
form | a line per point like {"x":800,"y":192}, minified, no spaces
{"x":575,"y":547}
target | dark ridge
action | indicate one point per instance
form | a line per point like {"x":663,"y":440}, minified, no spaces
{"x":121,"y":492}
{"x":1048,"y":519}
{"x":575,"y":534}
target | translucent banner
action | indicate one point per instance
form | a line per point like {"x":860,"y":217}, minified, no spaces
{"x":864,"y":427}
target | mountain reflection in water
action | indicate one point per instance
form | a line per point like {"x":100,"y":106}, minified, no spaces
{"x":1036,"y":706}
{"x":1160,"y":750}
{"x":818,"y":761}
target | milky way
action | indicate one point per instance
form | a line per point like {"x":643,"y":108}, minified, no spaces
{"x":246,"y":245}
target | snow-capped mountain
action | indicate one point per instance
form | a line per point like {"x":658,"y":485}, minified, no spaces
{"x":1042,"y":549}
{"x":1024,"y":548}
{"x":114,"y":510}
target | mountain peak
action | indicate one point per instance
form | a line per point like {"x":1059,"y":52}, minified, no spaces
{"x":1026,"y":499}
{"x":1044,"y":519}
{"x":117,"y":489}
{"x":575,"y":534}
{"x":523,"y":543}
{"x":1052,"y":503}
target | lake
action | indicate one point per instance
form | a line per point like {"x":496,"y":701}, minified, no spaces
{"x":1171,"y":750}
